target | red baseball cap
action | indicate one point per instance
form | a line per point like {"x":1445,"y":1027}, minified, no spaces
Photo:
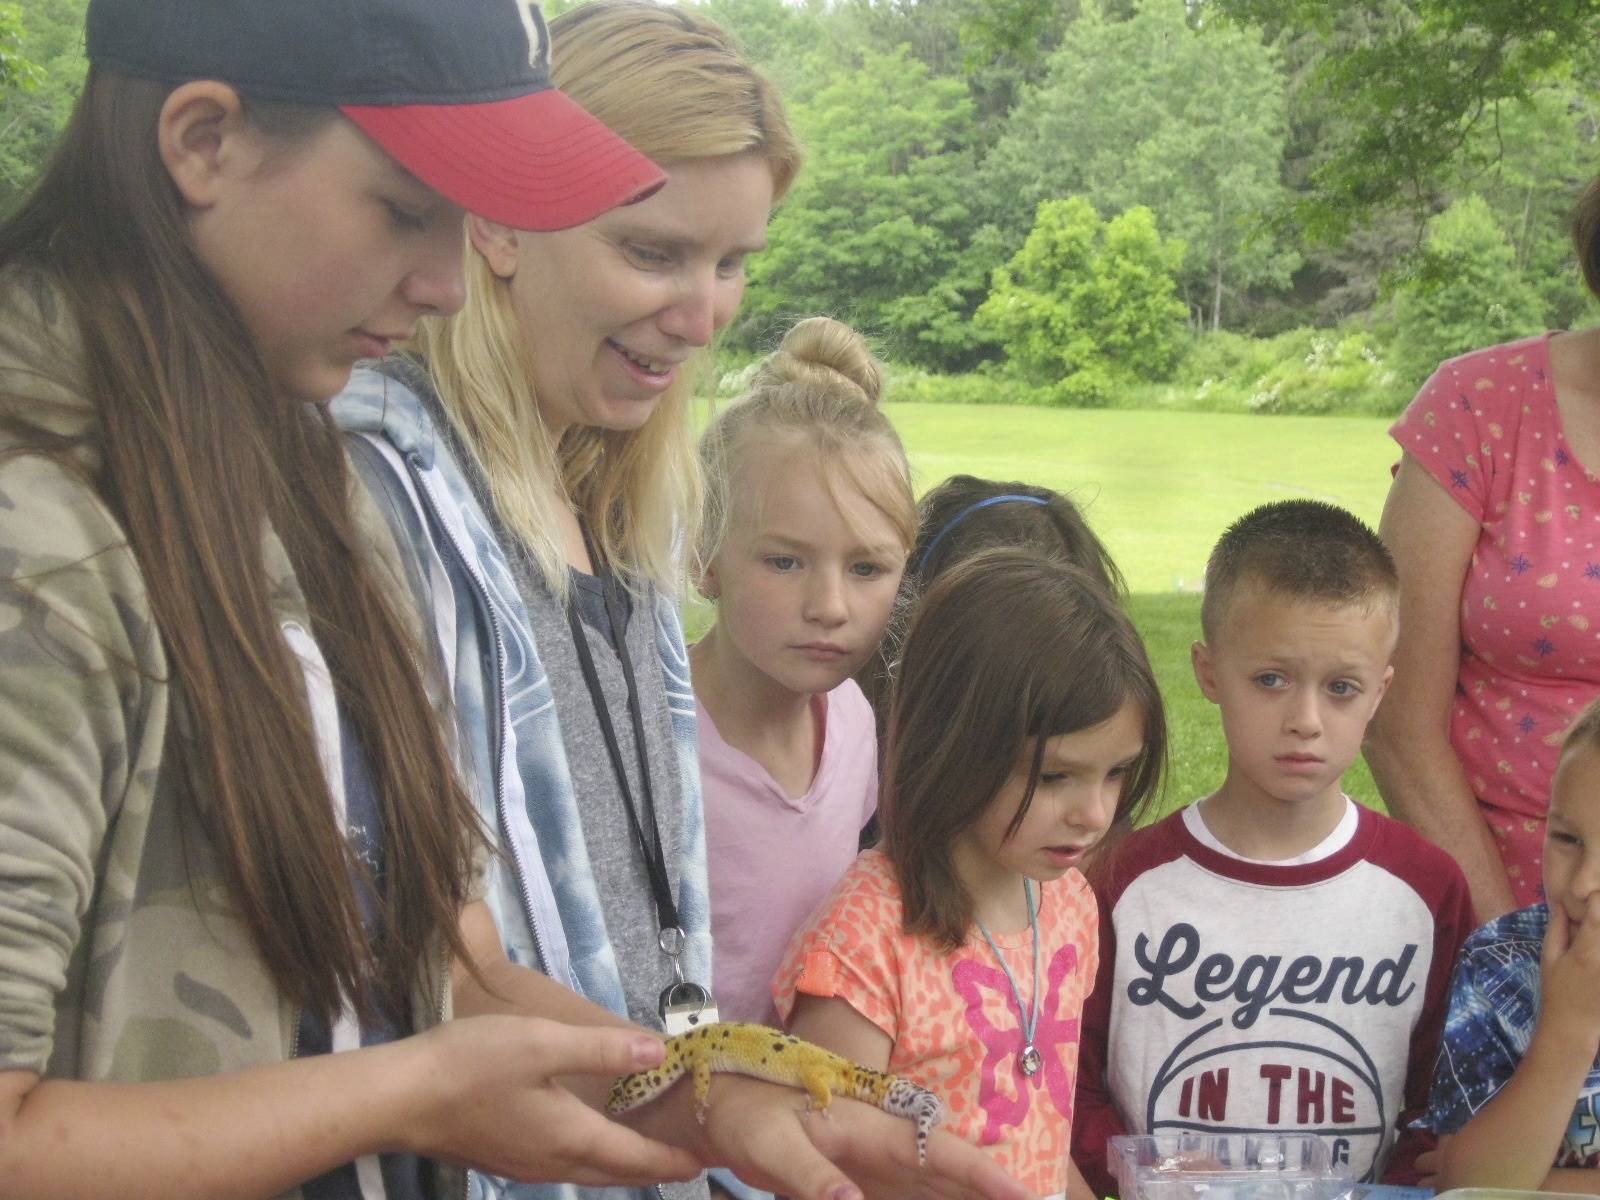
{"x":457,"y":92}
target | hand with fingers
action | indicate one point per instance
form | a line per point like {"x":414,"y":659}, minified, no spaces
{"x":1427,"y":1167}
{"x":1570,"y":978}
{"x":766,"y":1136}
{"x":879,"y":1153}
{"x":496,"y":1105}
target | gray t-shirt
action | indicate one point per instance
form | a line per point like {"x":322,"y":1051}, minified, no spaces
{"x":614,"y":850}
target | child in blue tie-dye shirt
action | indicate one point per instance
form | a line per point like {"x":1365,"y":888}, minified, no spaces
{"x":1516,"y":1095}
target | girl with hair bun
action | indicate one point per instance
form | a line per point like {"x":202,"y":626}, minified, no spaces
{"x":808,"y":519}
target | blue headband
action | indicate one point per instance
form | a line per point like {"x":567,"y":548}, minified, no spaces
{"x":967,"y":512}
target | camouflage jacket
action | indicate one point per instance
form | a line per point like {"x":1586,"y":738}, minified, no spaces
{"x":121,"y":955}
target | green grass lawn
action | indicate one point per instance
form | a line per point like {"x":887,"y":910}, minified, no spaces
{"x":1158,"y":489}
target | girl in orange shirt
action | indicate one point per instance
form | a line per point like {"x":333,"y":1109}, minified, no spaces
{"x":1025,"y":724}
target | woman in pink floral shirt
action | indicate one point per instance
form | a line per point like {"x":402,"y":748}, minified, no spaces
{"x":1494,"y":522}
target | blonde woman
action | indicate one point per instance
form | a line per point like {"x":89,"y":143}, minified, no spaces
{"x":537,"y":454}
{"x":232,"y":837}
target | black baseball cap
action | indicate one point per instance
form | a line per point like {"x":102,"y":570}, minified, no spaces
{"x":457,"y":91}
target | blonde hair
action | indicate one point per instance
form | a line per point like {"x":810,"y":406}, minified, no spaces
{"x":1584,"y":732}
{"x":820,"y":386}
{"x":673,"y":84}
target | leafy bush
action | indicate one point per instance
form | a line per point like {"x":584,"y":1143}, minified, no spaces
{"x":1335,"y":375}
{"x":1304,"y":371}
{"x":924,"y":387}
{"x":1225,"y":355}
{"x":1092,"y":387}
{"x":1085,"y":389}
{"x":1309,"y":371}
{"x":734,"y":374}
{"x":1088,"y":297}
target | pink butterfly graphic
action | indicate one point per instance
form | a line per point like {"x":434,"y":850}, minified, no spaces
{"x":972,"y":979}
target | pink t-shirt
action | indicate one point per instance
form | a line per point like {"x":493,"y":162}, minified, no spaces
{"x":955,"y":1022}
{"x":772,"y":856}
{"x":1487,"y":428}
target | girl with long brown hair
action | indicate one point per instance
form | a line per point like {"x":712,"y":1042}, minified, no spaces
{"x":1025,"y":726}
{"x":231,"y":833}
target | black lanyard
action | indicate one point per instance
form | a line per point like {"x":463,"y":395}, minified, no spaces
{"x":655,"y":860}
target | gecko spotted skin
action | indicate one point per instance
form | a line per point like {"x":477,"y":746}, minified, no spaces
{"x":730,"y":1047}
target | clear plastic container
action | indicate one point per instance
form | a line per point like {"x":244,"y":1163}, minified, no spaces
{"x":1225,"y":1166}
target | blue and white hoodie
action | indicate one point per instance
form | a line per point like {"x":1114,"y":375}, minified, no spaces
{"x":542,"y":889}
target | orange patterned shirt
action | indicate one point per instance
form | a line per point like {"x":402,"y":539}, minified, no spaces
{"x":955,"y":1024}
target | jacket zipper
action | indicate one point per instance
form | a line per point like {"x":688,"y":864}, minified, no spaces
{"x":519,"y":868}
{"x":426,"y":489}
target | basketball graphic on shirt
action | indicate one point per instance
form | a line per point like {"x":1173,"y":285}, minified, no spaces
{"x":1306,"y":1075}
{"x":1268,"y":999}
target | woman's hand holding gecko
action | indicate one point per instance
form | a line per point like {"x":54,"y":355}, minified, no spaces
{"x":765,"y":1135}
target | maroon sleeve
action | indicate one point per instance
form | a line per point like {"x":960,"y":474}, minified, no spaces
{"x":1094,"y":1116}
{"x":1438,"y":880}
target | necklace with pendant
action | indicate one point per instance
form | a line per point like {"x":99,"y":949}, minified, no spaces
{"x":1030,"y":1059}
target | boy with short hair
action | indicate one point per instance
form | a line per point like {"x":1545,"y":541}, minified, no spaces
{"x":1275,"y":958}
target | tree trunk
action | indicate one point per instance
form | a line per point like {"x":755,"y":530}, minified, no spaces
{"x":1523,"y":238}
{"x":1216,"y":298}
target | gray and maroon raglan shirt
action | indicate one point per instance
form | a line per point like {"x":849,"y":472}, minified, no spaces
{"x":1241,"y":996}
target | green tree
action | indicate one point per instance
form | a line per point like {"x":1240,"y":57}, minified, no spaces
{"x":994,"y":46}
{"x":1468,"y":292}
{"x":1088,"y":304}
{"x":1407,"y":84}
{"x":1531,"y":167}
{"x":794,"y":43}
{"x":877,"y":214}
{"x":15,"y":70}
{"x":1336,"y":279}
{"x":1150,"y":111}
{"x":41,"y":73}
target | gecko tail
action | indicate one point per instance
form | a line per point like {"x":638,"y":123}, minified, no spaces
{"x":915,"y":1103}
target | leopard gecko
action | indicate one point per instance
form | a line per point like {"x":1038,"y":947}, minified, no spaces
{"x":755,"y":1050}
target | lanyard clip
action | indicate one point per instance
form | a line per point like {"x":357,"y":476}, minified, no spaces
{"x":671,"y":941}
{"x":685,"y":1006}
